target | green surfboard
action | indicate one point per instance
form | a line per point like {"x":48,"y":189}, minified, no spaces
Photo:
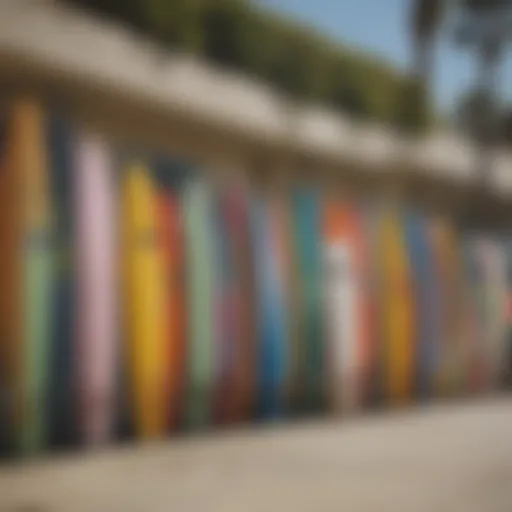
{"x":198,"y":226}
{"x":26,"y":274}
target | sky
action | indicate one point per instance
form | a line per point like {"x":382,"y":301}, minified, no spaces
{"x":380,"y":27}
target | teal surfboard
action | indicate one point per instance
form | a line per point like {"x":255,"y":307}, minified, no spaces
{"x":271,"y":315}
{"x":307,"y":248}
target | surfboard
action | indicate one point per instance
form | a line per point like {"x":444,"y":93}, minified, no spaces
{"x":279,"y":247}
{"x":307,"y":249}
{"x":26,"y":267}
{"x":495,"y":303}
{"x":481,"y":255}
{"x":96,"y":330}
{"x":346,"y":308}
{"x":282,"y":218}
{"x":470,"y":327}
{"x":280,"y":224}
{"x":436,"y":233}
{"x":171,"y":240}
{"x":225,"y":301}
{"x":502,"y":311}
{"x":397,"y":311}
{"x":171,"y":178}
{"x":473,"y":274}
{"x":507,"y":243}
{"x":6,"y":261}
{"x":144,"y":302}
{"x":63,"y":424}
{"x":199,"y":229}
{"x":447,"y":269}
{"x":480,"y":250}
{"x":244,"y":356}
{"x":271,"y":319}
{"x":166,"y":233}
{"x":369,"y":215}
{"x":234,"y":297}
{"x":426,"y":291}
{"x":367,"y":318}
{"x":461,"y":312}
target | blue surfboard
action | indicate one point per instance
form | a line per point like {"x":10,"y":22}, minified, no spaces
{"x":271,"y":325}
{"x":426,"y":294}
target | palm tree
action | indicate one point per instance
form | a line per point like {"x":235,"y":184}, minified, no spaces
{"x":413,"y":104}
{"x":426,"y":18}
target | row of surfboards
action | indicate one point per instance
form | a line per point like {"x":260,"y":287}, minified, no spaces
{"x":138,"y":298}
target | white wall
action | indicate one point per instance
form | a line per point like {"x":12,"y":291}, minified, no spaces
{"x":105,"y":71}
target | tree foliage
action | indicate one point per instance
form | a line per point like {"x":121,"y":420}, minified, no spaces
{"x":413,"y":110}
{"x":295,"y":59}
{"x":471,"y":117}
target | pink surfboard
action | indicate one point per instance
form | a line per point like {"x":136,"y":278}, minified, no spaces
{"x":96,"y":284}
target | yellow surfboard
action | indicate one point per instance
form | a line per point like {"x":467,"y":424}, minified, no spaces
{"x":144,"y":300}
{"x":395,"y":297}
{"x":25,"y":274}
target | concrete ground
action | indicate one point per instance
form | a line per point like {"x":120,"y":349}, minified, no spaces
{"x":444,"y":458}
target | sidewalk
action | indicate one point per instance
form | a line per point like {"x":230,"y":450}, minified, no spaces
{"x":444,"y":458}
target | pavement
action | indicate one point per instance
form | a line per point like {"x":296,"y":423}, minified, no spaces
{"x":442,"y":458}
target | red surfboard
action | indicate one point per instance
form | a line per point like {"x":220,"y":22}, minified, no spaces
{"x":171,"y":243}
{"x":236,"y":391}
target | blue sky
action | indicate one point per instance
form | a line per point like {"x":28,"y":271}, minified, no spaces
{"x":380,"y":27}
